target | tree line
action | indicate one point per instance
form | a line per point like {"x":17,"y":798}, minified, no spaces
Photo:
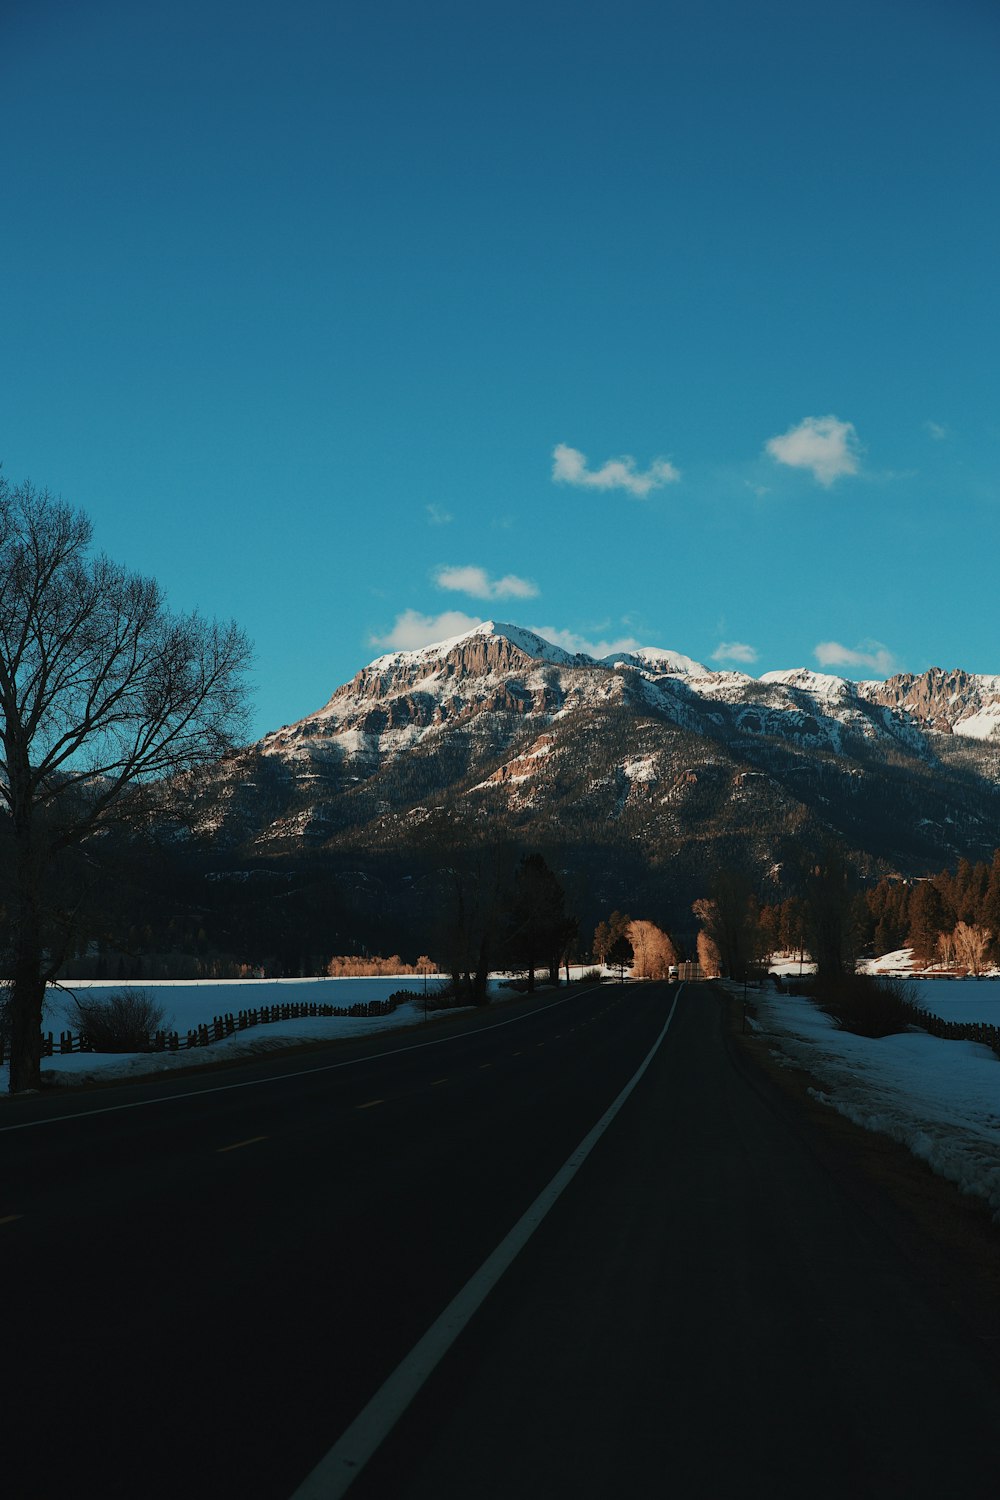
{"x":951,"y":919}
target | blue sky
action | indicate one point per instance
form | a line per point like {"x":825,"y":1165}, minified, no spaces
{"x":663,"y":323}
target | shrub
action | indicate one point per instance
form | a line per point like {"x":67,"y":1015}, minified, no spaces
{"x":122,"y":1021}
{"x":867,"y":1005}
{"x":592,"y":976}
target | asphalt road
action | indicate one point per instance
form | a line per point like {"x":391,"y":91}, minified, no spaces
{"x":203,"y":1290}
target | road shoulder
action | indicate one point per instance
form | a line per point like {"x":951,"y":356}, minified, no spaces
{"x":947,"y":1236}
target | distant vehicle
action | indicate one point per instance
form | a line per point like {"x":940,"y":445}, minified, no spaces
{"x":672,"y":974}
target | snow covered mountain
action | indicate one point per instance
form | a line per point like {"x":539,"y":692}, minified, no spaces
{"x":647,"y":752}
{"x":407,"y":697}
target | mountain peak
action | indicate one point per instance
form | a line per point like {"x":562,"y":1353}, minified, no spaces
{"x":646,"y":658}
{"x":516,"y":635}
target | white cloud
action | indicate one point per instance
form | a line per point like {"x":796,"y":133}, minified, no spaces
{"x":479,"y":585}
{"x":937,"y":431}
{"x":413,"y":630}
{"x":437,"y":516}
{"x":734,"y":651}
{"x":825,"y":446}
{"x":570,"y":467}
{"x":570,"y":641}
{"x":868,"y":654}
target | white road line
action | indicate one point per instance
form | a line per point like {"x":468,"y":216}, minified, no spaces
{"x":253,"y":1083}
{"x":238,"y":1145}
{"x":334,"y":1473}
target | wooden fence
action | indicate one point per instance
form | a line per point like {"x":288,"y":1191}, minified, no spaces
{"x":955,"y":1031}
{"x":222,"y":1026}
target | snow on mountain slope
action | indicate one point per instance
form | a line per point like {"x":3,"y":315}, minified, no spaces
{"x":500,"y":723}
{"x":984,"y":725}
{"x":525,"y":641}
{"x":653,"y":659}
{"x":499,"y":674}
{"x":820,"y":685}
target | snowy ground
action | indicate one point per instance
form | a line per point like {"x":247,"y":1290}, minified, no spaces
{"x":189,"y":1002}
{"x":959,"y":999}
{"x":941,"y":1099}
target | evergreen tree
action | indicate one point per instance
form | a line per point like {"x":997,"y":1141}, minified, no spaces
{"x":927,"y":920}
{"x":620,"y":955}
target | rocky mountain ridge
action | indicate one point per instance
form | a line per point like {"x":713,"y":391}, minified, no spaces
{"x":401,"y":698}
{"x":642,"y":769}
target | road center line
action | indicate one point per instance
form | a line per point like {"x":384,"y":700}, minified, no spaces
{"x":370,"y":1105}
{"x":334,"y":1473}
{"x":11,"y":1218}
{"x":238,"y":1145}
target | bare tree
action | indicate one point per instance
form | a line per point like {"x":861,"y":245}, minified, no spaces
{"x":104,"y":696}
{"x":971,"y":942}
{"x":730,"y":922}
{"x":653,"y":950}
{"x":708,"y":956}
{"x":946,"y":948}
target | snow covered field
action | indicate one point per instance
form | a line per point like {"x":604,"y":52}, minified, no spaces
{"x":959,"y":999}
{"x":941,"y":1099}
{"x":188,"y":1003}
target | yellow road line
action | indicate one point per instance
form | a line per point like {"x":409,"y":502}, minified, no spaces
{"x":10,"y":1218}
{"x":238,"y":1145}
{"x":438,"y":1081}
{"x":370,"y":1105}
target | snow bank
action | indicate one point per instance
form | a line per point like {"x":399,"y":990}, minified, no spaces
{"x":940,"y":1099}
